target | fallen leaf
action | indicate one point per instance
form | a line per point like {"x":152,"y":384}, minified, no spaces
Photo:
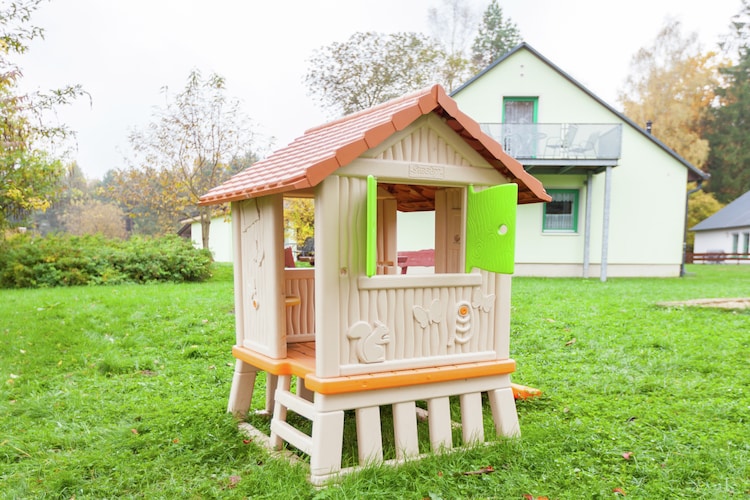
{"x":134,"y":431}
{"x":550,"y":320}
{"x":483,"y":470}
{"x":247,"y":441}
{"x":627,"y":455}
{"x":570,"y":342}
{"x":619,"y":491}
{"x":233,"y":480}
{"x":175,"y":440}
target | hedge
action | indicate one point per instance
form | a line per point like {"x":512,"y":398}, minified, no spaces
{"x":63,"y":260}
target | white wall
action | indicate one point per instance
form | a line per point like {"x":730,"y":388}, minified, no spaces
{"x":719,"y":240}
{"x":220,"y":238}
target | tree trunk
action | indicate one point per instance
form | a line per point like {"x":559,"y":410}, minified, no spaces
{"x":205,"y":214}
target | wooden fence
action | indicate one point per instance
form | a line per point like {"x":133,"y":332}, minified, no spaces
{"x":717,"y":258}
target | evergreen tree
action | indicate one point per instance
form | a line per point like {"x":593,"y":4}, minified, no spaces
{"x":728,"y":128}
{"x":497,"y":36}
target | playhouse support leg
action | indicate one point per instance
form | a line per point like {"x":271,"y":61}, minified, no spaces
{"x":472,"y":424}
{"x":272,"y":382}
{"x":439,"y":422}
{"x":327,"y":443}
{"x":303,"y":391}
{"x":243,"y":384}
{"x":405,"y":429}
{"x":369,"y":436}
{"x":504,"y":414}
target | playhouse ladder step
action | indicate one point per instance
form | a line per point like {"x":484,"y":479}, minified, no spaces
{"x":324,"y":446}
{"x":282,"y":430}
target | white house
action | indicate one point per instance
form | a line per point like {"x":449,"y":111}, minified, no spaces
{"x":727,"y":231}
{"x":618,"y":193}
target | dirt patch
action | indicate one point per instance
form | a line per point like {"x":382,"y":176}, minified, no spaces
{"x":738,"y":303}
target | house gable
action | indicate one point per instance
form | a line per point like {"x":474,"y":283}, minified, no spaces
{"x":428,"y":141}
{"x":544,"y":79}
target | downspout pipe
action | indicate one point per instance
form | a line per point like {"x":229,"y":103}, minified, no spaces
{"x":697,"y":188}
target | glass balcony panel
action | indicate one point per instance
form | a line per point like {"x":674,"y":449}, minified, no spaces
{"x":558,"y":141}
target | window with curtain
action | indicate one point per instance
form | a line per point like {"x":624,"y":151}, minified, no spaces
{"x":561,"y":214}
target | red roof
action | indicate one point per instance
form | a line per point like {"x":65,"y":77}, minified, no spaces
{"x":322,"y":150}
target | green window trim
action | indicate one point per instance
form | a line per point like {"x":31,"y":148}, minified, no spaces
{"x":561,"y":214}
{"x":371,"y":227}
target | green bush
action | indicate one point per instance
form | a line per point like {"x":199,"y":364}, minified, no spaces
{"x":63,"y":260}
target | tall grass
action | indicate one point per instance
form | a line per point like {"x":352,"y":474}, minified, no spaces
{"x":121,"y":391}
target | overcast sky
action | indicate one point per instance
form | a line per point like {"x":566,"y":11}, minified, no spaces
{"x":124,"y":51}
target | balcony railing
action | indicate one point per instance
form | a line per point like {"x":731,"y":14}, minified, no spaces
{"x":558,"y":141}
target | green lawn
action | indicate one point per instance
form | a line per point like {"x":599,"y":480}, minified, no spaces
{"x":121,"y":391}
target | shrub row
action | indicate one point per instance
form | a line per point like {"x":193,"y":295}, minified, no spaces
{"x":63,"y":260}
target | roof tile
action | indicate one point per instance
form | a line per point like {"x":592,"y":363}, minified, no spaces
{"x":320,"y":151}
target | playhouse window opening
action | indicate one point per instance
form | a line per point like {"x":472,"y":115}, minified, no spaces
{"x":299,"y":231}
{"x":412,"y":228}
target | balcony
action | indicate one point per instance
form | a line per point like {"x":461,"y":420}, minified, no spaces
{"x":569,"y":148}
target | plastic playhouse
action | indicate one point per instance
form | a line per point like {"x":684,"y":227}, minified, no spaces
{"x":355,"y":332}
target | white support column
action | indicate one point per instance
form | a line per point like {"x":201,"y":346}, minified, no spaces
{"x":605,"y":223}
{"x":587,"y":226}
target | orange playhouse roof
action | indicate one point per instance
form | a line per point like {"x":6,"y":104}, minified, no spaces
{"x":320,"y":151}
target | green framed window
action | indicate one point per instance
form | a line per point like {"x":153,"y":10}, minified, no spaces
{"x":520,"y":109}
{"x":561,"y":214}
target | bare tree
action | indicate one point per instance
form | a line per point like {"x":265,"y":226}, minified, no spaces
{"x":194,"y":140}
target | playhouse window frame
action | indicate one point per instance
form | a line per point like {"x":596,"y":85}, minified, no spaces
{"x":373,"y":258}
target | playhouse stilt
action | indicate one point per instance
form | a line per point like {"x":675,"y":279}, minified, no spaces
{"x":503,"y":407}
{"x":243,"y":384}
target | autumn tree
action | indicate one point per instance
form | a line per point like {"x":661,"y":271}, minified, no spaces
{"x":702,"y":205}
{"x":671,"y":84}
{"x":728,"y":127}
{"x":299,"y":218}
{"x":370,"y":68}
{"x":497,"y":35}
{"x":188,"y":148}
{"x":72,"y":187}
{"x":29,"y":173}
{"x":92,"y":216}
{"x":151,"y":198}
